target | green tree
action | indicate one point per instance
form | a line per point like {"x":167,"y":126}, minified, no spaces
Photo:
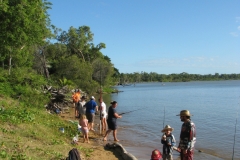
{"x":23,"y":23}
{"x":76,"y":71}
{"x":102,"y":71}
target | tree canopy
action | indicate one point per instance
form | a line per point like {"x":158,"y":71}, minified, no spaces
{"x":31,"y":44}
{"x":36,"y":52}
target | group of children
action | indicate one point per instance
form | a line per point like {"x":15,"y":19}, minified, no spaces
{"x":168,"y":142}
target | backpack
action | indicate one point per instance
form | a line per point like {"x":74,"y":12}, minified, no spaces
{"x":73,"y":154}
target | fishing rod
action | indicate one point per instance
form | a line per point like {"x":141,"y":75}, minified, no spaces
{"x":164,"y":117}
{"x":235,"y":136}
{"x":100,"y":107}
{"x":130,"y":111}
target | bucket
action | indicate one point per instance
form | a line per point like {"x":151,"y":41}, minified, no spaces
{"x":61,"y":130}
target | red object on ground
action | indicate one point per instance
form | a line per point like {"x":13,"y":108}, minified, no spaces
{"x":156,"y":155}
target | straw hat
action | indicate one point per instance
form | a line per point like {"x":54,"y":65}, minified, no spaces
{"x":167,"y":127}
{"x":184,"y":113}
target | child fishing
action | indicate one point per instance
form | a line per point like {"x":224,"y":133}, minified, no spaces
{"x":168,"y":142}
{"x":84,"y":124}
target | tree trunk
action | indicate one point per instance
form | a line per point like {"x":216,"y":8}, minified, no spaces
{"x":3,"y":64}
{"x":10,"y":64}
{"x":82,"y":55}
{"x":46,"y":72}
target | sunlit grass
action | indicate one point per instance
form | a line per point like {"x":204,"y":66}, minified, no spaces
{"x":32,"y":133}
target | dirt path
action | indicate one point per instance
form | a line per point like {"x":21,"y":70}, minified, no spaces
{"x":96,"y":141}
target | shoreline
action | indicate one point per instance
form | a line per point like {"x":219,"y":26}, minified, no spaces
{"x":97,"y":143}
{"x":102,"y":149}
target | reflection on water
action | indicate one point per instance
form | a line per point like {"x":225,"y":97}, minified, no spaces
{"x":213,"y":104}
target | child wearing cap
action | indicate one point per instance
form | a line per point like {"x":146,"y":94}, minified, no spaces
{"x":168,"y":142}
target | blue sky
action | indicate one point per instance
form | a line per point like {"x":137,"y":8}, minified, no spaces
{"x":162,"y":36}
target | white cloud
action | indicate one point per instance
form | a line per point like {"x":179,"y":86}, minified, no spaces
{"x":199,"y":59}
{"x":238,"y":27}
{"x":197,"y":64}
{"x":181,"y":62}
{"x":234,"y":34}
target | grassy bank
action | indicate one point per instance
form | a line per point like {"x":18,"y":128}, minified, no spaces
{"x":33,"y":133}
{"x":29,"y":133}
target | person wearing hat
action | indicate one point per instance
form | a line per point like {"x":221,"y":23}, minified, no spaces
{"x":156,"y":155}
{"x":187,"y":136}
{"x":91,"y":108}
{"x":112,"y":121}
{"x":168,"y":142}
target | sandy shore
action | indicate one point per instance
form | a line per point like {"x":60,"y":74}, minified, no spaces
{"x":96,"y":142}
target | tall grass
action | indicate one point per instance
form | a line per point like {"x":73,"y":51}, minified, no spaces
{"x":32,"y":133}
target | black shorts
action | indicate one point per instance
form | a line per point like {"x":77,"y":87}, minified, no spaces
{"x":90,"y":117}
{"x":112,"y":124}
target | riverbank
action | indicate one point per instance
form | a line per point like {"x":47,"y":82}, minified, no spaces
{"x":33,"y":133}
{"x":101,"y":149}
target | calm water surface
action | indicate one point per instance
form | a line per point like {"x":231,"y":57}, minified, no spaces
{"x":214,"y":106}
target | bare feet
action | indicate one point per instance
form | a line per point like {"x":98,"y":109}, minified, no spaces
{"x":88,"y":142}
{"x":116,"y":140}
{"x":104,"y":139}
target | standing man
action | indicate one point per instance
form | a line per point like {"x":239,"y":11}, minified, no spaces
{"x":187,"y":136}
{"x":91,"y":106}
{"x":112,"y":121}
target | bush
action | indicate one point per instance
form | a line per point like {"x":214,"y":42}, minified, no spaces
{"x":26,"y":76}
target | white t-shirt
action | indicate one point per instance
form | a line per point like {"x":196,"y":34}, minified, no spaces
{"x":104,"y":109}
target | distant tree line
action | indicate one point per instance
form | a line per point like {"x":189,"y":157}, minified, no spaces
{"x":33,"y":52}
{"x":182,"y":77}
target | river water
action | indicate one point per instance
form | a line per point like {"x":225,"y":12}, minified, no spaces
{"x":214,"y":105}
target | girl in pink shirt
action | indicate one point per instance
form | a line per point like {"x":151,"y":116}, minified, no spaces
{"x":84,"y":124}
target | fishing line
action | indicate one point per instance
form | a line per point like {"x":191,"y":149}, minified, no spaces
{"x":235,"y":135}
{"x":130,"y":111}
{"x":164,"y":117}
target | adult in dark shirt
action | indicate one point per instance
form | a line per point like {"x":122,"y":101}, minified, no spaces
{"x":112,"y":121}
